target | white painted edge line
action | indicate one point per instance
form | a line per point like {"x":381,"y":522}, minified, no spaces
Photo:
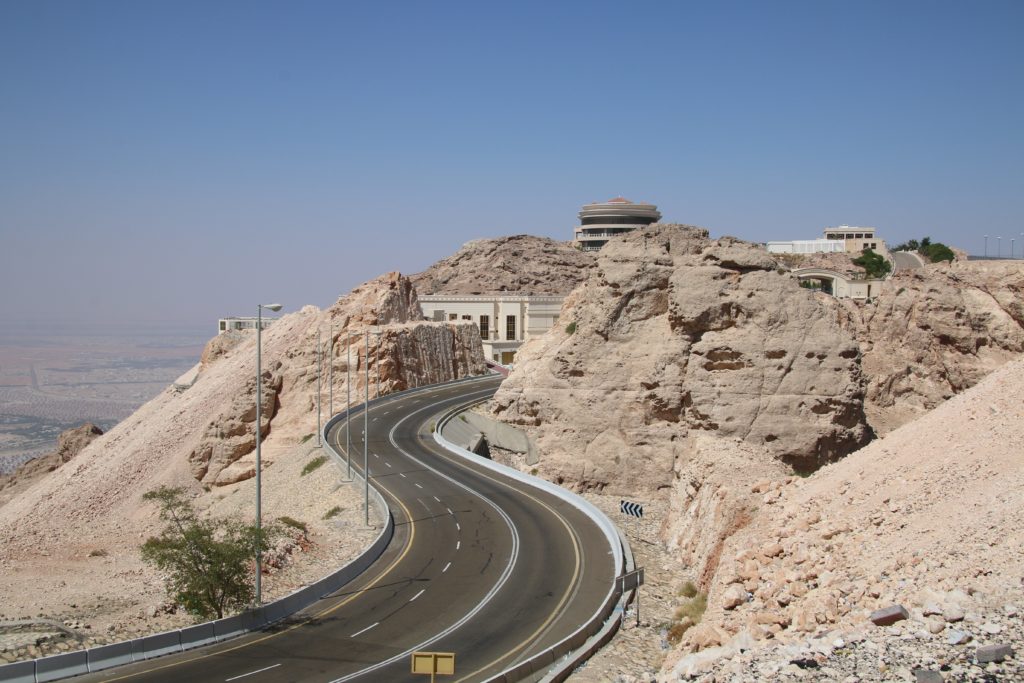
{"x":257,"y":671}
{"x":359,"y":633}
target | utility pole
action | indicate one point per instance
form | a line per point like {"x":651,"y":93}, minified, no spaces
{"x":319,"y":390}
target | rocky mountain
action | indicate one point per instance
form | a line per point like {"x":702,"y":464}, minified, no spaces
{"x":929,"y":518}
{"x":674,"y":334}
{"x":71,"y":538}
{"x":932,"y":333}
{"x":521,"y":264}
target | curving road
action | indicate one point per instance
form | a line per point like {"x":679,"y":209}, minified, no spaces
{"x":481,"y":566}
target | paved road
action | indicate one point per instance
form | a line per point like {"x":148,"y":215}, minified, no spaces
{"x":906,"y":260}
{"x":480,"y":566}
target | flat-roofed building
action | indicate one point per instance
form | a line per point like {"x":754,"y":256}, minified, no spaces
{"x":807,"y":247}
{"x":601,"y":221}
{"x":241,"y":323}
{"x":504,"y":321}
{"x":856,"y":239}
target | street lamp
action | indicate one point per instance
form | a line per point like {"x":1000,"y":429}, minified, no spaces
{"x":330,"y":376}
{"x":366,"y":432}
{"x":1011,"y":247}
{"x":999,"y":247}
{"x":259,"y":435}
{"x":377,"y":361}
{"x":986,"y":246}
{"x":319,"y":386}
{"x":348,"y":403}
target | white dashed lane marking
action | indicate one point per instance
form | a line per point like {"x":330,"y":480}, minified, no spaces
{"x":364,"y":630}
{"x":418,"y":595}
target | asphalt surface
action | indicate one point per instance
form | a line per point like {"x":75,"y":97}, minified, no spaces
{"x":906,"y":260}
{"x":481,"y":566}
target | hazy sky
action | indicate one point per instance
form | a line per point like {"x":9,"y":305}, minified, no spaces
{"x":182,"y":161}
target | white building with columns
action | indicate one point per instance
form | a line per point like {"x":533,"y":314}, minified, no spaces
{"x":505,"y":320}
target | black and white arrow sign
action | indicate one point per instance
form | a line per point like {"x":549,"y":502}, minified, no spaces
{"x":634,"y":509}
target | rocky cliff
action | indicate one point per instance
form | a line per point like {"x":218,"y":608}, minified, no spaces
{"x":674,"y":333}
{"x":522,"y":264}
{"x":932,"y":333}
{"x":69,"y":444}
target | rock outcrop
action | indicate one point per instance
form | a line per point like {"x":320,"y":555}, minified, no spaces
{"x":675,"y":333}
{"x":929,"y":517}
{"x":69,"y":444}
{"x":404,"y":351}
{"x":934,"y":332}
{"x":522,"y":264}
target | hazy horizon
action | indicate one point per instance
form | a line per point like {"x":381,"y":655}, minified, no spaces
{"x":178,"y":162}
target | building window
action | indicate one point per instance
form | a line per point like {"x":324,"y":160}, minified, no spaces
{"x":453,"y":316}
{"x":485,"y":326}
{"x":223,"y":326}
{"x":467,"y":317}
{"x":510,"y":327}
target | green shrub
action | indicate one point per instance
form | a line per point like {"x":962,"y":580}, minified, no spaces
{"x":938,"y":252}
{"x":693,"y":608}
{"x":333,"y":512}
{"x":306,"y":438}
{"x":293,"y":523}
{"x":875,"y":265}
{"x":313,"y":464}
{"x":571,"y":328}
{"x":99,"y":552}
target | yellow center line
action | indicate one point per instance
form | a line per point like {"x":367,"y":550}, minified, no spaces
{"x":565,"y":596}
{"x":318,"y":615}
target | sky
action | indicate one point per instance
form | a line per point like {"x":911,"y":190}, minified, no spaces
{"x":174,"y":162}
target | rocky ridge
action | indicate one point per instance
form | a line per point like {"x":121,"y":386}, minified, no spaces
{"x":675,"y":334}
{"x":69,"y":444}
{"x":934,"y":332}
{"x":881,"y":528}
{"x":519,"y":264}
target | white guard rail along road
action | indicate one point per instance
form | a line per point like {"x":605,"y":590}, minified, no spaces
{"x":513,"y":574}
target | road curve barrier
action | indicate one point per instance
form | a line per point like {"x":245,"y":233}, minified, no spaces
{"x":597,"y":630}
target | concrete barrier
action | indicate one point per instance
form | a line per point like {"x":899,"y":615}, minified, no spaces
{"x":62,"y":666}
{"x":106,"y":656}
{"x":599,"y":626}
{"x":228,"y":627}
{"x":197,"y":636}
{"x":160,"y":644}
{"x":19,"y":672}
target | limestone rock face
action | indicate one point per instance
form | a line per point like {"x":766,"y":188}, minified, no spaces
{"x":520,"y":263}
{"x":403,"y":351}
{"x":932,"y":333}
{"x":219,"y":346}
{"x":71,"y":441}
{"x":673,"y":333}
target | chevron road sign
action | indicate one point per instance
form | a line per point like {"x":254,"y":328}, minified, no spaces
{"x":633,"y":509}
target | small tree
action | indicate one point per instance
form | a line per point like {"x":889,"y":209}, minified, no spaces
{"x":874,"y":264}
{"x":208,"y":562}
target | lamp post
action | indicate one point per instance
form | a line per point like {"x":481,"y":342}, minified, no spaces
{"x":366,"y":431}
{"x":259,"y":434}
{"x":330,"y":376}
{"x":999,"y":247}
{"x":377,"y":361}
{"x":986,"y":246}
{"x":319,"y":388}
{"x":348,"y":404}
{"x":1011,"y":247}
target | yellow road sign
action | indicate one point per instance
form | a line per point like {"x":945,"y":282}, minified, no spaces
{"x":433,"y":663}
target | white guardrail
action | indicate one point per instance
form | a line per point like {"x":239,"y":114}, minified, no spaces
{"x":586,"y":640}
{"x":179,"y":640}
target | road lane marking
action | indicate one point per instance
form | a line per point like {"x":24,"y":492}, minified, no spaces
{"x":419,"y":486}
{"x":257,"y":671}
{"x":402,"y":475}
{"x":449,"y":511}
{"x":458,"y":544}
{"x":418,"y":595}
{"x":446,"y":567}
{"x":458,"y":527}
{"x":359,"y":633}
{"x":388,"y":464}
{"x":437,"y":499}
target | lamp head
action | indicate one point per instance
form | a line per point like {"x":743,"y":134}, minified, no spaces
{"x":272,"y":307}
